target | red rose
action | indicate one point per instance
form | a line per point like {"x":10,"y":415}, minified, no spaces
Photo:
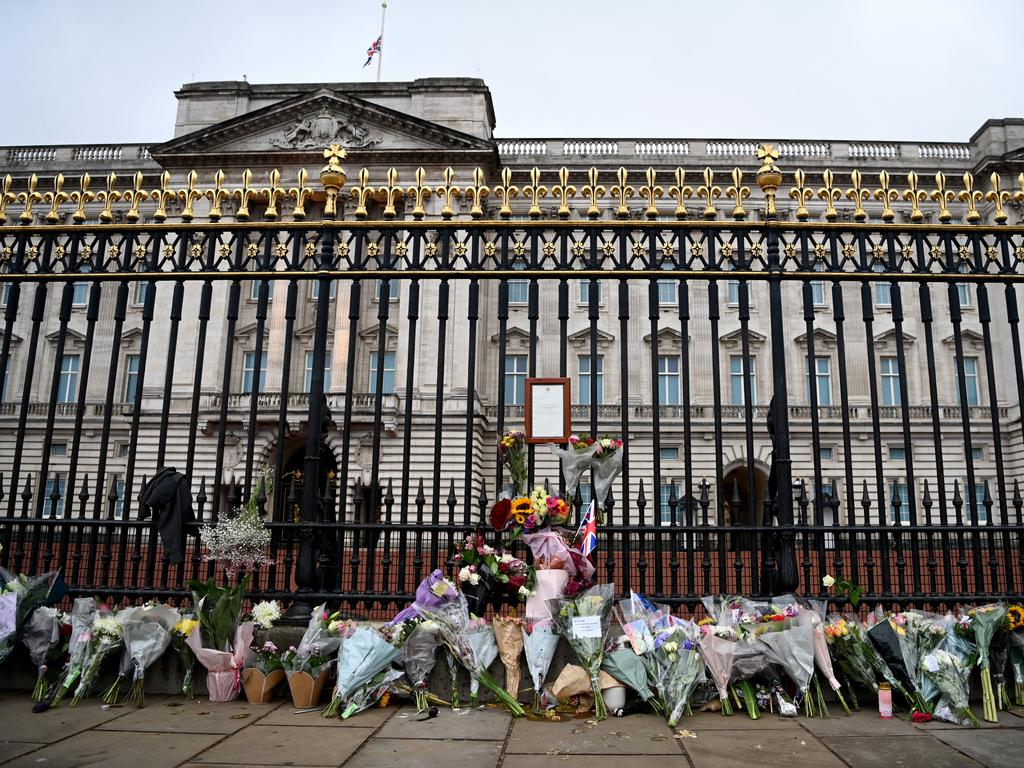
{"x":517,"y":581}
{"x":503,"y":567}
{"x":500,"y":514}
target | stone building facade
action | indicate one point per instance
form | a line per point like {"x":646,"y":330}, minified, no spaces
{"x":439,"y":123}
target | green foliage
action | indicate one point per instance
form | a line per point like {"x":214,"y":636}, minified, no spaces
{"x":219,"y":610}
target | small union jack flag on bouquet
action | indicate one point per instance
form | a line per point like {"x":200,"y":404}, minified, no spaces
{"x":588,"y":531}
{"x":373,"y":49}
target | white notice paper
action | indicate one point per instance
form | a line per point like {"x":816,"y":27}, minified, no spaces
{"x":586,"y":626}
{"x":547,"y":415}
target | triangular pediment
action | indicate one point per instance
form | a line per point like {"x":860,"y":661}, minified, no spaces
{"x":582,"y":336}
{"x":306,"y":124}
{"x":968,"y":336}
{"x":370,"y":332}
{"x":735,"y":338}
{"x":667,"y":334}
{"x":885,"y":337}
{"x":821,"y":336}
{"x":71,"y":336}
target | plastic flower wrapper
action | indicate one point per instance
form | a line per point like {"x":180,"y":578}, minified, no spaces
{"x":147,"y":635}
{"x":999,"y":652}
{"x":453,"y":619}
{"x":373,"y":691}
{"x":105,"y":636}
{"x":420,"y":658}
{"x":553,"y":550}
{"x":893,"y":647}
{"x":583,"y":622}
{"x":751,"y":659}
{"x":435,"y":590}
{"x":790,"y":644}
{"x":8,"y":622}
{"x":179,"y":639}
{"x":480,"y":635}
{"x":82,"y":613}
{"x":985,"y":621}
{"x":718,"y":651}
{"x":223,"y":668}
{"x":512,"y":450}
{"x":41,"y":635}
{"x":508,"y":635}
{"x":548,"y":584}
{"x":949,"y":674}
{"x":930,"y":631}
{"x":574,"y":460}
{"x":606,"y":465}
{"x":859,"y":633}
{"x":680,"y":667}
{"x":363,"y":654}
{"x":539,"y":642}
{"x":318,"y":641}
{"x":726,"y":610}
{"x":822,"y":660}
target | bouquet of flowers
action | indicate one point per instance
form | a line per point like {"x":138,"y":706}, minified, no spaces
{"x":318,"y":644}
{"x":822,"y":660}
{"x":575,"y":460}
{"x":984,"y":623}
{"x":8,"y":622}
{"x":453,"y":619}
{"x":147,"y":634}
{"x":853,"y":643}
{"x":179,"y":637}
{"x":82,"y":613}
{"x":949,"y":674}
{"x":512,"y":450}
{"x":718,"y":648}
{"x":19,"y":596}
{"x":480,"y":635}
{"x":678,"y":667}
{"x":751,"y":660}
{"x":43,"y":638}
{"x":607,"y":464}
{"x":420,"y":658}
{"x":104,"y":636}
{"x":1015,"y":627}
{"x":265,"y":613}
{"x":240,"y":540}
{"x":508,"y":635}
{"x":433,"y":591}
{"x":363,"y":655}
{"x":583,"y":622}
{"x":790,"y":644}
{"x":220,"y":640}
{"x":266,"y":658}
{"x":539,"y":643}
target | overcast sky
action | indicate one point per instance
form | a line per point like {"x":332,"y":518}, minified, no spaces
{"x":868,"y":69}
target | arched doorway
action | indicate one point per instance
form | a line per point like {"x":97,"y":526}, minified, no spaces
{"x":744,"y":505}
{"x":293,"y":475}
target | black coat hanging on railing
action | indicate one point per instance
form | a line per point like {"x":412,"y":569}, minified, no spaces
{"x":168,"y":496}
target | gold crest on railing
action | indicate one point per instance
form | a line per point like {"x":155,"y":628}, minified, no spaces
{"x":298,"y":195}
{"x":55,"y":198}
{"x":649,"y":192}
{"x":29,"y":198}
{"x":361,"y":192}
{"x":391,"y":193}
{"x":915,"y":197}
{"x":886,"y":196}
{"x":564,"y":191}
{"x":81,"y":197}
{"x":6,"y":197}
{"x":972,"y":197}
{"x":680,"y":192}
{"x":534,"y":191}
{"x":738,"y":193}
{"x":622,"y":191}
{"x":273,"y":193}
{"x":859,"y":195}
{"x":830,"y":195}
{"x":505,"y":193}
{"x":475,"y":194}
{"x":943,"y":197}
{"x":593,"y":192}
{"x":802,"y":194}
{"x":419,"y":194}
{"x":709,"y":192}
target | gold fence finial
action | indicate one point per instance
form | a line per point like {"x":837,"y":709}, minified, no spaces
{"x":972,"y":197}
{"x":55,"y":198}
{"x":564,"y":191}
{"x":915,"y":197}
{"x":419,"y":194}
{"x":769,"y":177}
{"x":1018,"y":196}
{"x":217,"y":196}
{"x":622,"y":191}
{"x":29,"y":198}
{"x":80,"y":197}
{"x":738,"y":193}
{"x":108,"y":197}
{"x":535,"y":191}
{"x":859,"y":195}
{"x":361,"y":193}
{"x":163,"y":196}
{"x":998,"y":197}
{"x":801,"y":194}
{"x":593,"y":192}
{"x":506,"y":192}
{"x":680,"y":191}
{"x":332,"y":179}
{"x":448,"y":192}
{"x":476,"y":192}
{"x":391,"y":193}
{"x":135,"y":197}
{"x":650,"y":192}
{"x":943,"y":197}
{"x":298,"y":194}
{"x":6,"y":197}
{"x":189,"y":195}
{"x":709,"y":192}
{"x":244,"y":196}
{"x":830,"y":195}
{"x":887,"y":196}
{"x":274,"y":193}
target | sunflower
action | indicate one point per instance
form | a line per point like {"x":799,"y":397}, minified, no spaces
{"x":1015,"y":617}
{"x":521,"y":508}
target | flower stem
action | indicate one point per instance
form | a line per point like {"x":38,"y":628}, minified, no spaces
{"x":750,"y":699}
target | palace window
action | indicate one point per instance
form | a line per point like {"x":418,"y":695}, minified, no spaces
{"x":515,"y":379}
{"x":388,"y":386}
{"x":67,"y":384}
{"x":308,"y":377}
{"x":249,"y":367}
{"x":736,"y":379}
{"x":668,"y":380}
{"x":890,"y":381}
{"x":131,"y":378}
{"x":585,"y":373}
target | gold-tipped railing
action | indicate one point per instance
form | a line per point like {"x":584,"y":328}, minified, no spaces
{"x":127,"y":199}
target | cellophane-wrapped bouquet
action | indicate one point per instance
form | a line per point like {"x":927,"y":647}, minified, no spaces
{"x":948,"y":668}
{"x":19,"y":596}
{"x":420,"y":659}
{"x":622,"y":663}
{"x":480,"y":635}
{"x":43,"y":637}
{"x":789,"y":640}
{"x":718,"y":648}
{"x":677,"y":669}
{"x":895,"y":648}
{"x":583,"y":621}
{"x":82,"y":613}
{"x":179,"y":635}
{"x":363,"y":654}
{"x":453,"y":619}
{"x":508,"y":635}
{"x":822,"y":659}
{"x":106,"y":635}
{"x":986,"y":620}
{"x":147,"y":635}
{"x":318,"y":644}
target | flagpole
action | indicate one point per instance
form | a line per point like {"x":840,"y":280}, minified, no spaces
{"x":380,"y":53}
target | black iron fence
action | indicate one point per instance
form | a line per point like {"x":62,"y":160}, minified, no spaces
{"x":795,"y":398}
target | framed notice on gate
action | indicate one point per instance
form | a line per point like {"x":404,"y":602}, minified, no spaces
{"x":548,"y":417}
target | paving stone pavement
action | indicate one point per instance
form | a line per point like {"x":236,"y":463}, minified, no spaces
{"x":173,"y":733}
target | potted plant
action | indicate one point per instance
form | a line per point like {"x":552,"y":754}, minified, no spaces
{"x":262,"y":674}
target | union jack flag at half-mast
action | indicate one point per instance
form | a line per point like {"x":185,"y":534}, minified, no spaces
{"x":373,"y":49}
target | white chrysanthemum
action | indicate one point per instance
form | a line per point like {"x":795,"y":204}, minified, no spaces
{"x":107,"y":625}
{"x":474,"y":579}
{"x":265,"y":613}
